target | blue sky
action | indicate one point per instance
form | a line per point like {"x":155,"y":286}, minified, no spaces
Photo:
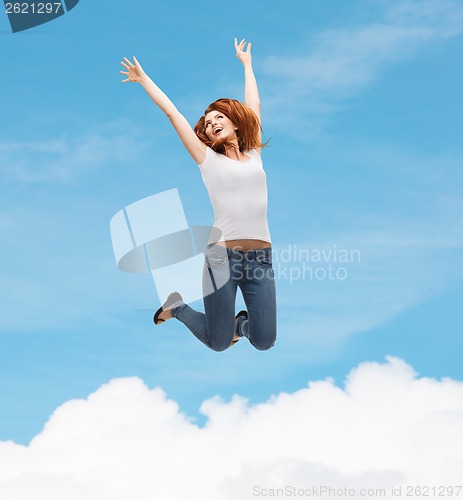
{"x":362,"y":101}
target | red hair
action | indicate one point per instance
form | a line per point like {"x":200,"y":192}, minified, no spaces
{"x":242,"y":117}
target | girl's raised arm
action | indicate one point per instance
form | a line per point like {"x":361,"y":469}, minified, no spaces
{"x":192,"y":143}
{"x":251,"y":92}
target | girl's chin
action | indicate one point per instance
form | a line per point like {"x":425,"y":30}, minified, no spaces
{"x":222,"y":136}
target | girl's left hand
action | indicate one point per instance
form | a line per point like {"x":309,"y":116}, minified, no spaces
{"x":244,"y":57}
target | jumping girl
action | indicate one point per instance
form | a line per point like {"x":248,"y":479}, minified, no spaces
{"x":226,"y":145}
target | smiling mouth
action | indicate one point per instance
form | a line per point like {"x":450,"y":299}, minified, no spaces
{"x":217,"y":130}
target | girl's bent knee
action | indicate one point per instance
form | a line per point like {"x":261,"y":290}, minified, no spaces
{"x":264,"y":346}
{"x":219,"y":347}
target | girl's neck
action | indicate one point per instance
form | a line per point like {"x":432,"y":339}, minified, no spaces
{"x":234,"y":152}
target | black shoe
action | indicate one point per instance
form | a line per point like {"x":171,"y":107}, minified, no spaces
{"x":173,"y":300}
{"x":241,"y":313}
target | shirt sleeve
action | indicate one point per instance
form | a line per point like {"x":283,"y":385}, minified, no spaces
{"x":205,"y":161}
{"x":256,"y":155}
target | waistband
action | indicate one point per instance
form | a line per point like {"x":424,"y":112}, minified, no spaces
{"x":250,"y":254}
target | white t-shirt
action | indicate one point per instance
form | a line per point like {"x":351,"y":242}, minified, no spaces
{"x":238,"y":194}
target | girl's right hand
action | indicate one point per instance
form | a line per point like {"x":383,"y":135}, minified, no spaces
{"x":134,"y":72}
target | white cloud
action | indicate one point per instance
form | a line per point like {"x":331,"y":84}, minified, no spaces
{"x":63,"y":158}
{"x":340,"y":62}
{"x":385,"y":427}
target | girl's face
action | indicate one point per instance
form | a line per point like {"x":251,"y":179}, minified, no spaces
{"x":218,"y":126}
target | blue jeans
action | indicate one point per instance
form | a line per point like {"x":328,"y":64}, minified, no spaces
{"x":224,"y":270}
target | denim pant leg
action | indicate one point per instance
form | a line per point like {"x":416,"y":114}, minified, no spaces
{"x":259,"y":292}
{"x":214,"y":327}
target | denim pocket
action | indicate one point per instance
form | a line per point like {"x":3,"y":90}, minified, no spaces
{"x":264,"y":258}
{"x":215,"y":259}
